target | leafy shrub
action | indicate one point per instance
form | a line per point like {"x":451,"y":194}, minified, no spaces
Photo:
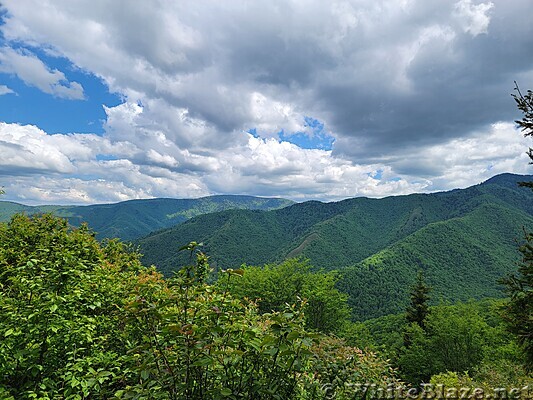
{"x":451,"y":379}
{"x":80,"y":319}
{"x":275,"y":285}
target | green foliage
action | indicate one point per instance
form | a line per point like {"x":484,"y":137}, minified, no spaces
{"x":59,"y":300}
{"x":519,"y":309}
{"x":452,"y":379}
{"x":463,"y":258}
{"x":358,"y":335}
{"x":455,"y":339}
{"x":384,"y":334}
{"x":340,"y":370}
{"x":197,"y":343}
{"x":418,"y":307}
{"x":274,"y":286}
{"x":80,"y":319}
{"x":493,"y":358}
{"x":464,"y":240}
{"x":133,"y":219}
{"x":525,"y":105}
{"x":332,"y":235}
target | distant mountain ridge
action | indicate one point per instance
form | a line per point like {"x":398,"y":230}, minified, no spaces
{"x":464,"y":240}
{"x":132,"y":219}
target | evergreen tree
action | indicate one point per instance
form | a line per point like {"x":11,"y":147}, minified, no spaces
{"x":417,"y":310}
{"x":518,"y":313}
{"x":525,"y":104}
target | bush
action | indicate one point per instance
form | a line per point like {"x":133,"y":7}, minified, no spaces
{"x":80,"y":319}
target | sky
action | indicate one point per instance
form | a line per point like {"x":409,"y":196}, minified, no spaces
{"x":109,"y":100}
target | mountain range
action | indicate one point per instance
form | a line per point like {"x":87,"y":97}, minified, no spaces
{"x":463,"y":240}
{"x":133,"y":219}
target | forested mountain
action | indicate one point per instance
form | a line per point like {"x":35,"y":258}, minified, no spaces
{"x":463,"y":258}
{"x":464,"y":240}
{"x":135,"y":218}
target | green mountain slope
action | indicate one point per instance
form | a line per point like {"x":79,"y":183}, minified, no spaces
{"x":464,"y":240}
{"x":332,"y":235}
{"x":462,"y":258}
{"x":135,"y":218}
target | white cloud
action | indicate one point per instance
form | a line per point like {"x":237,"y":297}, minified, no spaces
{"x":412,"y":89}
{"x":70,"y":168}
{"x":264,"y":166}
{"x":270,"y":116}
{"x":34,"y":72}
{"x":474,"y":18}
{"x":27,"y":149}
{"x":467,"y":161}
{"x":5,"y":90}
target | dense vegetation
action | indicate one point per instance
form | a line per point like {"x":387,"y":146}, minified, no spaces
{"x":135,"y":218}
{"x":274,"y":286}
{"x":79,"y":320}
{"x":463,"y":240}
{"x":332,"y":235}
{"x":465,"y":344}
{"x":83,"y":319}
{"x":519,"y":309}
{"x":462,"y":258}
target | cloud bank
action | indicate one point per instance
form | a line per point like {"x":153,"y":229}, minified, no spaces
{"x":218,"y":97}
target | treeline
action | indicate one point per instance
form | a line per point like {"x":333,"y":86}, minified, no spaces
{"x":338,"y":234}
{"x":461,"y":345}
{"x":132,"y":219}
{"x":464,"y":240}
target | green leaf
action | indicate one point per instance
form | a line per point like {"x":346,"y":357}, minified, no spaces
{"x":202,"y":362}
{"x":145,"y":374}
{"x":293,"y":335}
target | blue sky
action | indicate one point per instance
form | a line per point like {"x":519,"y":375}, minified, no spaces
{"x":29,"y":105}
{"x":304,"y":100}
{"x":316,"y":136}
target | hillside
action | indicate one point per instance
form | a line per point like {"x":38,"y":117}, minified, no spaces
{"x":132,"y":219}
{"x":462,"y":258}
{"x":464,"y":239}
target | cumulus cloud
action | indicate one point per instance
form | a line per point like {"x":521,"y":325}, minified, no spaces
{"x":466,"y":161}
{"x":82,"y":168}
{"x":34,"y":72}
{"x":371,"y":69}
{"x":27,"y":149}
{"x":74,"y":169}
{"x":414,"y":95}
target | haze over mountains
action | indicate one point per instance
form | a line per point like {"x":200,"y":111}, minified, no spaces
{"x":464,"y":240}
